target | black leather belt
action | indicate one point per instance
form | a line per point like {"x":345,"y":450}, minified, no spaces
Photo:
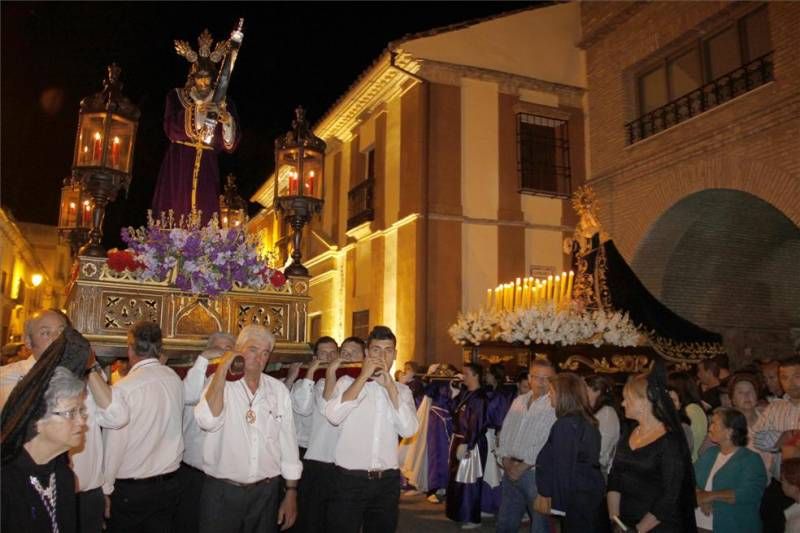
{"x":246,"y":485}
{"x":146,"y":480}
{"x":371,"y":474}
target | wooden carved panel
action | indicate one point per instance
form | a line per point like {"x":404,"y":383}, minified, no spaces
{"x":120,"y":311}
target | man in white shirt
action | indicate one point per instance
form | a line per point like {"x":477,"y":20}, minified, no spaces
{"x":190,"y":473}
{"x":373,"y":411}
{"x":778,"y":425}
{"x":325,"y":351}
{"x":525,"y":431}
{"x":142,"y":458}
{"x":103,"y":409}
{"x":249,"y":445}
{"x":319,"y":473}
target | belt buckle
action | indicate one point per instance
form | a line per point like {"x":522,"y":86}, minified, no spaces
{"x":374,"y":474}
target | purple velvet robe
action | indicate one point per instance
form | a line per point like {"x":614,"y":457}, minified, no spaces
{"x":499,"y":402}
{"x":440,"y":430}
{"x":174,"y":185}
{"x":469,"y":427}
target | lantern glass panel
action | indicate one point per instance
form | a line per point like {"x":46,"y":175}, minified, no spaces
{"x":312,"y":174}
{"x":119,"y":147}
{"x":89,"y":148}
{"x":69,"y":210}
{"x":288,"y":176}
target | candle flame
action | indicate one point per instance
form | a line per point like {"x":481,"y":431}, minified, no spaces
{"x":97,"y":135}
{"x":72,"y":205}
{"x":116,"y":140}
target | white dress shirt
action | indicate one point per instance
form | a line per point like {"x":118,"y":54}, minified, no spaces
{"x":193,"y":437}
{"x":152,"y":442}
{"x":779,"y":416}
{"x":303,"y":407}
{"x":370,"y":425}
{"x":87,"y":461}
{"x":525,"y":429}
{"x":324,"y":435}
{"x":12,"y":374}
{"x":237,"y":450}
{"x":608,"y":424}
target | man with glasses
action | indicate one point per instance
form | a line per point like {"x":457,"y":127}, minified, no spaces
{"x":249,"y":445}
{"x":372,"y":411}
{"x":525,"y":431}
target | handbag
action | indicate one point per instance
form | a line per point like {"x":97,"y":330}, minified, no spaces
{"x":469,"y":468}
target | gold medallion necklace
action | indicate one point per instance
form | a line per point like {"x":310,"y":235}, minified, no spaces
{"x":250,"y":416}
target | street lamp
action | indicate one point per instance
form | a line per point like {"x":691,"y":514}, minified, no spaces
{"x":299,"y":164}
{"x":75,"y":214}
{"x":103,"y":155}
{"x":232,"y":207}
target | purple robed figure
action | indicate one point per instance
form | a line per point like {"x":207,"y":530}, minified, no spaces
{"x":499,"y":402}
{"x":440,"y":430}
{"x":182,"y":118}
{"x":469,"y":428}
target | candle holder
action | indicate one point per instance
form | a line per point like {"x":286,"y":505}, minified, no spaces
{"x":103,"y":155}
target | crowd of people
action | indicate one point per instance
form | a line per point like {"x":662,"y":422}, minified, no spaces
{"x":331,"y":446}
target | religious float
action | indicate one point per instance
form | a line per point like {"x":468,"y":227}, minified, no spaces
{"x":598,"y":317}
{"x":193,"y":269}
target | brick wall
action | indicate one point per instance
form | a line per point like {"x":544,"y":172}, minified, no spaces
{"x":749,"y":144}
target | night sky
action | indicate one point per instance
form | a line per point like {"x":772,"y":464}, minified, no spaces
{"x":54,"y":54}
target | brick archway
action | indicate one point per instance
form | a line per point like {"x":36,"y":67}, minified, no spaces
{"x":738,"y":281}
{"x":631,"y":206}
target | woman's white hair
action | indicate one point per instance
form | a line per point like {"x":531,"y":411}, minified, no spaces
{"x":253,"y":332}
{"x":64,"y":385}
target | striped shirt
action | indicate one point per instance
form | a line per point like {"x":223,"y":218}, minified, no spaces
{"x":779,"y":416}
{"x":526,"y":428}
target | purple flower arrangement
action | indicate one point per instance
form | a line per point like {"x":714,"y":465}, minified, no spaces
{"x":207,"y":260}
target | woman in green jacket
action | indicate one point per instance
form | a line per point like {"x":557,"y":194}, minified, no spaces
{"x":730,"y":478}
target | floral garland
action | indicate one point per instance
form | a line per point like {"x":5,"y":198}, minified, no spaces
{"x":546,"y":325}
{"x":209,"y":260}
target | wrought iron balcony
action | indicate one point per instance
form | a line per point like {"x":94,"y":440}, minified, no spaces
{"x":725,"y":88}
{"x":360,"y":207}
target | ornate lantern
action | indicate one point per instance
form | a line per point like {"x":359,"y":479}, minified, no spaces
{"x":75,"y":213}
{"x":103,"y":155}
{"x":299,"y":164}
{"x":232,"y":207}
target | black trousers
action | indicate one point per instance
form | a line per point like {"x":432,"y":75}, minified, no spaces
{"x":144,"y":506}
{"x":226,"y":508}
{"x":187,"y":515}
{"x":91,"y":507}
{"x":773,"y":503}
{"x":361,"y":504}
{"x":314,"y":495}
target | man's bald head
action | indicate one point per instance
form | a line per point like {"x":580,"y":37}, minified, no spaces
{"x":41,"y":329}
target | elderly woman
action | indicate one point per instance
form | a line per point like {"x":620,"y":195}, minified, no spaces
{"x":568,"y":475}
{"x":730,"y":478}
{"x":743,"y":390}
{"x":650,"y":486}
{"x":38,"y":490}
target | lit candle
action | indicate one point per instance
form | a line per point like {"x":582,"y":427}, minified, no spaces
{"x":115,"y":152}
{"x":569,"y":285}
{"x":98,"y":146}
{"x":85,"y":158}
{"x":498,"y":299}
{"x":549,"y":295}
{"x":310,"y":184}
{"x":557,"y":290}
{"x":293,"y":184}
{"x":526,"y":293}
{"x":488,"y":299}
{"x":563,"y":286}
{"x":518,"y":298}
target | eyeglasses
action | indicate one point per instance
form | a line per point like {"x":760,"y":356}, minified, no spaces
{"x":83,"y":412}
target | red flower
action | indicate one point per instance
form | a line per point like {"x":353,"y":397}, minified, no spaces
{"x":121,"y":260}
{"x":277,"y":279}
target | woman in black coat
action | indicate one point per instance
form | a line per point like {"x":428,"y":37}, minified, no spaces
{"x":568,"y":476}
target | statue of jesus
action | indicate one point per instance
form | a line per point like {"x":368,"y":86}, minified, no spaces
{"x":189,"y":176}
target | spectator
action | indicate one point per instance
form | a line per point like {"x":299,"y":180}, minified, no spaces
{"x":708,"y":374}
{"x":790,"y":482}
{"x":730,"y":478}
{"x":690,"y":406}
{"x":651,"y":484}
{"x":769,"y":371}
{"x":568,"y":475}
{"x":605,"y":408}
{"x":743,"y":391}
